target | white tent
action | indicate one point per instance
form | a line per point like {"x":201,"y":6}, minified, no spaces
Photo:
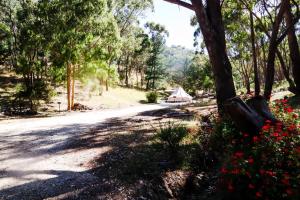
{"x":179,"y":95}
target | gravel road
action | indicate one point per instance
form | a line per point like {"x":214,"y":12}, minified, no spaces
{"x":35,"y":163}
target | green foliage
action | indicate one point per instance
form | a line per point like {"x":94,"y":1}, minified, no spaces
{"x":175,"y":58}
{"x":264,"y":166}
{"x":152,"y":97}
{"x":196,"y":75}
{"x":155,"y":71}
{"x":172,"y":134}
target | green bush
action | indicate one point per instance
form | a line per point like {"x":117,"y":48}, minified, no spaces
{"x":265,"y":166}
{"x":152,"y":97}
{"x":172,"y":134}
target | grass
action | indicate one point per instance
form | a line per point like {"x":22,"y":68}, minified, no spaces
{"x":118,"y":97}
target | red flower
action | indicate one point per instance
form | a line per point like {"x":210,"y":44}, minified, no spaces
{"x":298,"y":150}
{"x":250,"y":186}
{"x":230,"y":187}
{"x":236,"y":171}
{"x":289,"y":191}
{"x":266,"y":127}
{"x":255,"y":139}
{"x":292,"y":127}
{"x":285,"y":134}
{"x":270,"y":173}
{"x":250,"y":161}
{"x":248,"y":174}
{"x":261,"y":171}
{"x":289,"y":109}
{"x":285,"y":181}
{"x":295,"y":116}
{"x":258,"y":194}
{"x":238,"y":154}
{"x":246,"y":135}
{"x":224,"y":170}
{"x":275,"y":134}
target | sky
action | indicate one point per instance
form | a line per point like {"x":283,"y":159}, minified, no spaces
{"x":176,"y":20}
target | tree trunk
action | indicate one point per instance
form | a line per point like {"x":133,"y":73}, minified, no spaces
{"x":126,"y":72}
{"x":212,"y":28}
{"x":254,"y":57}
{"x":286,"y":72}
{"x":73,"y":87}
{"x":272,"y":51}
{"x":69,"y":86}
{"x":294,"y":48}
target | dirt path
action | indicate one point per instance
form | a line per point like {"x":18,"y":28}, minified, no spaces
{"x":47,"y":158}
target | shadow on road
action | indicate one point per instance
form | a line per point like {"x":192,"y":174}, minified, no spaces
{"x":132,"y":167}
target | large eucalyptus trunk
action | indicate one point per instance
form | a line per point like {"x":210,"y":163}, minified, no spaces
{"x":209,"y":16}
{"x":212,"y":28}
{"x":294,"y":49}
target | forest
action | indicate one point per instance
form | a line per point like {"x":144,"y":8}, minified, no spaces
{"x":243,"y":72}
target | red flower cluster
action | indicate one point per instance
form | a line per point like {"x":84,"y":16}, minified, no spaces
{"x":267,"y":163}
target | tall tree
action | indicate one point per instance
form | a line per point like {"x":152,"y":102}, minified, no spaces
{"x":73,"y":28}
{"x":272,"y":50}
{"x":155,"y":70}
{"x":209,"y":16}
{"x":254,"y":57}
{"x":294,"y":48}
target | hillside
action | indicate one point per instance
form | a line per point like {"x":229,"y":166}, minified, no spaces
{"x":175,"y":57}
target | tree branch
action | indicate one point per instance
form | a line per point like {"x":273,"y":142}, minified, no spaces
{"x":181,"y":3}
{"x":296,"y":19}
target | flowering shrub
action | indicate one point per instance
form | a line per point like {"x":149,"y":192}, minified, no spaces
{"x":266,"y":166}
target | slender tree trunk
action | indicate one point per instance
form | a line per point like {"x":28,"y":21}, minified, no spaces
{"x":285,"y":71}
{"x":142,"y":78}
{"x":272,"y":51}
{"x":126,"y":72}
{"x":69,"y":74}
{"x":294,"y":48}
{"x":73,"y":87}
{"x":254,"y":57}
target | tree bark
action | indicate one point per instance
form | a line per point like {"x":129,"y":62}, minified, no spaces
{"x":294,"y":48}
{"x":272,"y":51}
{"x":212,"y":28}
{"x":286,"y":72}
{"x":69,"y":86}
{"x":254,"y":57}
{"x":73,"y":87}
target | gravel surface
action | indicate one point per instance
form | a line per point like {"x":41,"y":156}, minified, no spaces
{"x":37,"y":161}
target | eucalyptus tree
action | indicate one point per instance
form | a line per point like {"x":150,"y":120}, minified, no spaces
{"x":155,"y":70}
{"x":127,"y":14}
{"x":198,"y":75}
{"x":210,"y":18}
{"x":76,"y":27}
{"x":8,"y":23}
{"x":293,"y":46}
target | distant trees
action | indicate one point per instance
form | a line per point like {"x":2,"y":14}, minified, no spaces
{"x":155,"y":70}
{"x":53,"y":42}
{"x":198,"y":76}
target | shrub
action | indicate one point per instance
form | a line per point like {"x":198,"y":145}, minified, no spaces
{"x":172,"y":134}
{"x":152,"y":97}
{"x":266,"y":166}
